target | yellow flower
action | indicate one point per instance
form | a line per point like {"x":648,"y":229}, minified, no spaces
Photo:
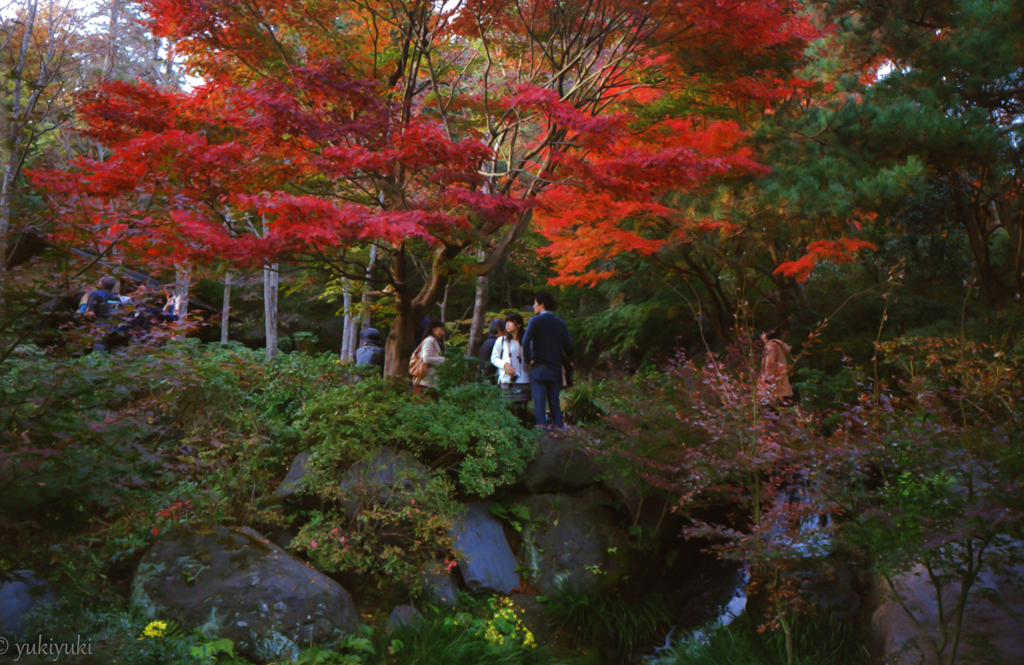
{"x":155,"y":629}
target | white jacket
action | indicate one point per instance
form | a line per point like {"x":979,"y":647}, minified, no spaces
{"x":430,"y":354}
{"x":505,"y":351}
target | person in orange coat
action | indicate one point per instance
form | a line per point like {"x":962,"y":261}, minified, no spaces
{"x":773,"y":383}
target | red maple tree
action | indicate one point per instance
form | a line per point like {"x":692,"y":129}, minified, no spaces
{"x":427,"y":130}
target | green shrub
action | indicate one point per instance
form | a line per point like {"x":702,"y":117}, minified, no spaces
{"x":95,"y":447}
{"x":390,"y":543}
{"x":581,"y":404}
{"x":457,"y":369}
{"x":468,"y":435}
{"x":356,"y":417}
{"x":474,"y":425}
{"x":613,"y":621}
{"x":469,"y":429}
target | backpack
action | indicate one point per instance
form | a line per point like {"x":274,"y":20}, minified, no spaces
{"x":489,"y":371}
{"x":417,"y":368}
{"x":370,"y":355}
{"x":104,"y":303}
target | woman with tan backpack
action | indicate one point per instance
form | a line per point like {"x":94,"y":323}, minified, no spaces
{"x":428,"y":355}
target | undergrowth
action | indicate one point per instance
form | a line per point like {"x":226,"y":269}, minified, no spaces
{"x":821,"y":640}
{"x":611,"y":620}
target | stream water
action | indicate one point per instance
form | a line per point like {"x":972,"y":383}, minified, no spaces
{"x":726,"y":613}
{"x":719,"y":595}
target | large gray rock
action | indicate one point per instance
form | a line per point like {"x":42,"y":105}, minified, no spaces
{"x":21,"y":594}
{"x":295,"y":481}
{"x":485,"y":558}
{"x":571,"y":541}
{"x":560,"y":465}
{"x":993,"y":626}
{"x":231,"y":582}
{"x":833,"y":588}
{"x":405,"y":615}
{"x":627,"y":491}
{"x":385,"y":477}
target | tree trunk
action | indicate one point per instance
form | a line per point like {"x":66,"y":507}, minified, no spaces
{"x":225,"y":309}
{"x":476,"y":330}
{"x":401,"y":341}
{"x":444,"y":302}
{"x":353,"y":336}
{"x":367,"y":317}
{"x":409,"y":311}
{"x":346,"y":329}
{"x":108,"y":58}
{"x":13,"y":130}
{"x":270,"y":283}
{"x":6,"y":191}
{"x":183,"y":278}
{"x":977,"y":238}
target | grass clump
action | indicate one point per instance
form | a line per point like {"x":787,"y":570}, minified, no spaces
{"x":613,"y":621}
{"x":481,"y":633}
{"x":822,"y":640}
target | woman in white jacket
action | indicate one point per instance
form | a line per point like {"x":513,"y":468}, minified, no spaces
{"x":431,"y":352}
{"x":507,"y":356}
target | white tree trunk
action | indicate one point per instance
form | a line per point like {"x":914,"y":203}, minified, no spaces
{"x":367,"y":299}
{"x":347,"y":352}
{"x":271,"y":277}
{"x":110,"y":56}
{"x":444,"y":302}
{"x":225,"y":309}
{"x":183,"y":278}
{"x":353,"y":335}
{"x":476,"y":330}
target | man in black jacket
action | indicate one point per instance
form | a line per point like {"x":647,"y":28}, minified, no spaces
{"x":545,"y":342}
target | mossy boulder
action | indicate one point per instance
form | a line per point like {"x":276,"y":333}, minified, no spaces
{"x":560,"y":465}
{"x":295,"y":482}
{"x":572,"y":541}
{"x":231,"y":582}
{"x":387,"y":476}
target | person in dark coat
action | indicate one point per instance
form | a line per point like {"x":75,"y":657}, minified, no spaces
{"x":99,"y":303}
{"x":545,"y":343}
{"x":495,"y":330}
{"x":372,"y":351}
{"x":421,"y":332}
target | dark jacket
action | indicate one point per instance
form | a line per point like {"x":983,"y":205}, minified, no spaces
{"x":101,"y":303}
{"x":486,"y":368}
{"x":545,"y":340}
